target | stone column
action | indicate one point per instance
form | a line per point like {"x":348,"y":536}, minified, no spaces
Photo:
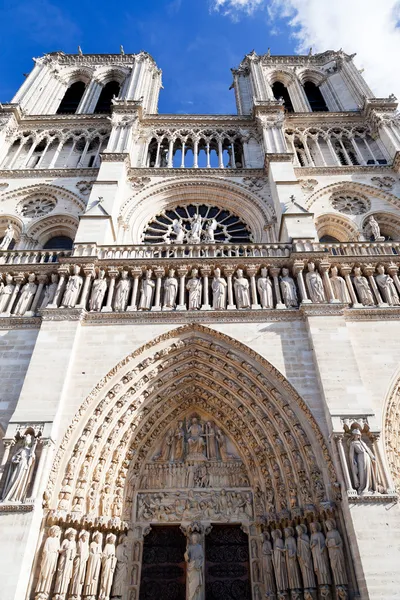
{"x":19,"y":280}
{"x":196,"y":154}
{"x":170,"y":154}
{"x":206,"y":272}
{"x":345,"y":270}
{"x":63,"y":271}
{"x":298,"y":267}
{"x":324,"y":267}
{"x":89,"y":273}
{"x":274,"y":271}
{"x":369,"y":271}
{"x":220,"y":155}
{"x":182,"y":272}
{"x":113,"y":275}
{"x":159,"y":273}
{"x":251,"y":272}
{"x":229,"y":272}
{"x":136,"y":272}
{"x":42,"y":280}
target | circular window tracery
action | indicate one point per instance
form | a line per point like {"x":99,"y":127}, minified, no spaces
{"x":350,"y":205}
{"x":194,"y":224}
{"x":36,"y":207}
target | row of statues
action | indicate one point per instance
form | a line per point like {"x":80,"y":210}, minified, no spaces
{"x":200,"y":230}
{"x":80,"y":567}
{"x":191,"y":474}
{"x":266,"y":291}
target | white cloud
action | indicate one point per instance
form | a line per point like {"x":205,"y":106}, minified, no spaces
{"x":368,"y":27}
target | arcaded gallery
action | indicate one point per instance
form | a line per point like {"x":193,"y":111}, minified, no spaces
{"x":199,"y":335}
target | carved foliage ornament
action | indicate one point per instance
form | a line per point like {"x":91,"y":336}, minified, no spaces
{"x":349,"y":204}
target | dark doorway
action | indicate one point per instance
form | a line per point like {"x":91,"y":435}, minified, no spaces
{"x":227,"y":570}
{"x":163,"y":567}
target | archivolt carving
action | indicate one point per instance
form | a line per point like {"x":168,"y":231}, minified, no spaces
{"x":43,"y":189}
{"x":44,"y":229}
{"x":338,"y":227}
{"x":392,"y":434}
{"x":389,"y":224}
{"x":349,"y":187}
{"x":103,"y":453}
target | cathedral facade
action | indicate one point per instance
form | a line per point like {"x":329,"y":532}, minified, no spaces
{"x":199,"y":335}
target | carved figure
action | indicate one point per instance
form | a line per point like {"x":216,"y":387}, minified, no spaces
{"x":336,"y":555}
{"x":194,"y":556}
{"x":293,"y":570}
{"x":218,"y":287}
{"x":170,"y":290}
{"x":121,"y":570}
{"x":50,"y":291}
{"x":27,"y":295}
{"x":304,"y":556}
{"x":242,"y":293}
{"x":375,"y":229}
{"x":65,"y":564}
{"x":194,"y":286}
{"x":195,"y":229}
{"x":288,"y":289}
{"x":79,"y":566}
{"x":93,"y":566}
{"x":147,"y":289}
{"x":166,"y":446}
{"x":267,"y":565}
{"x":387,"y":287}
{"x":179,"y":231}
{"x":319,"y":554}
{"x":221,"y":440}
{"x":362,"y":465}
{"x":8,"y":237}
{"x":196,"y":440}
{"x":210,"y":229}
{"x":264,"y":287}
{"x":282,"y":582}
{"x":339,"y":287}
{"x":362,"y":288}
{"x":20,"y":471}
{"x":73,"y":289}
{"x":211,"y":441}
{"x":99,"y":289}
{"x":108,"y":564}
{"x":314,"y":284}
{"x":48,"y":563}
{"x":122,"y":292}
{"x":179,"y":446}
{"x":6,"y":293}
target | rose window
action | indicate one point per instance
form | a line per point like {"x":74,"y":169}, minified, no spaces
{"x":195,"y":224}
{"x":36,"y":207}
{"x":350,"y":205}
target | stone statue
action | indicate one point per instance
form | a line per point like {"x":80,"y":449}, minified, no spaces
{"x":79,"y":567}
{"x":122,"y":292}
{"x":6,"y":294}
{"x":108,"y":564}
{"x":121,"y":570}
{"x":196,"y":440}
{"x":196,"y":223}
{"x":362,"y":465}
{"x":314,"y":284}
{"x":170,"y":290}
{"x":281,"y":576}
{"x":20,"y":471}
{"x":375,"y":229}
{"x":339,"y":287}
{"x":264,"y":287}
{"x":179,"y":230}
{"x":267,"y":565}
{"x":218,"y":287}
{"x":319,"y":554}
{"x":211,"y":441}
{"x":194,"y":286}
{"x":209,"y":232}
{"x":48,"y":563}
{"x":194,"y":556}
{"x":27,"y":295}
{"x":166,"y":446}
{"x":8,"y":237}
{"x":363,"y":290}
{"x":304,"y":556}
{"x":387,"y":287}
{"x":179,"y":446}
{"x":294,"y":577}
{"x":93,"y":566}
{"x":65,"y":564}
{"x":73,"y":288}
{"x":288,"y":289}
{"x":242,"y":293}
{"x":50,"y":291}
{"x":146,"y":291}
{"x":221,"y":441}
{"x":99,"y":289}
{"x":336,"y":555}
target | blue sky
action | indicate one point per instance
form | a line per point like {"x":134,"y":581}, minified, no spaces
{"x":194,"y":42}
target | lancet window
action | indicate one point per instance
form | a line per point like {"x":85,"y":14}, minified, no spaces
{"x":280,"y":92}
{"x":108,"y":92}
{"x":315,"y":97}
{"x":72,"y":98}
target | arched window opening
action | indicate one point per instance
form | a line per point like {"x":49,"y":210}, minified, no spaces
{"x":328,"y":239}
{"x":340,"y":154}
{"x":110,"y":90}
{"x":238,"y":150}
{"x":280,"y":91}
{"x":152,"y":153}
{"x":72,"y":98}
{"x":34,"y":159}
{"x":315,"y":97}
{"x":59,"y":242}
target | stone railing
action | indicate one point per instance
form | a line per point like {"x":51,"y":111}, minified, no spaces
{"x":348,"y":248}
{"x":22,"y":257}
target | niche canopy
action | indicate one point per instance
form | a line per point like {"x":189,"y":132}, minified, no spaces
{"x":195,"y":224}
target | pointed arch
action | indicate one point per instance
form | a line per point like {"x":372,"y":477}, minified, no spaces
{"x":355,"y":187}
{"x":337,"y":226}
{"x":42,"y":189}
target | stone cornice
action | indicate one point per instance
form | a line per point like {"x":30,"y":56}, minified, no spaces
{"x":53,"y":173}
{"x":73,"y":120}
{"x":17,"y":507}
{"x":20,"y":323}
{"x":190,"y":172}
{"x":323,"y":118}
{"x":198,"y":120}
{"x":338,"y":170}
{"x":391,"y":313}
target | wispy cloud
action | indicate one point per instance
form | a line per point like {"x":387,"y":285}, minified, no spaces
{"x":370,"y":28}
